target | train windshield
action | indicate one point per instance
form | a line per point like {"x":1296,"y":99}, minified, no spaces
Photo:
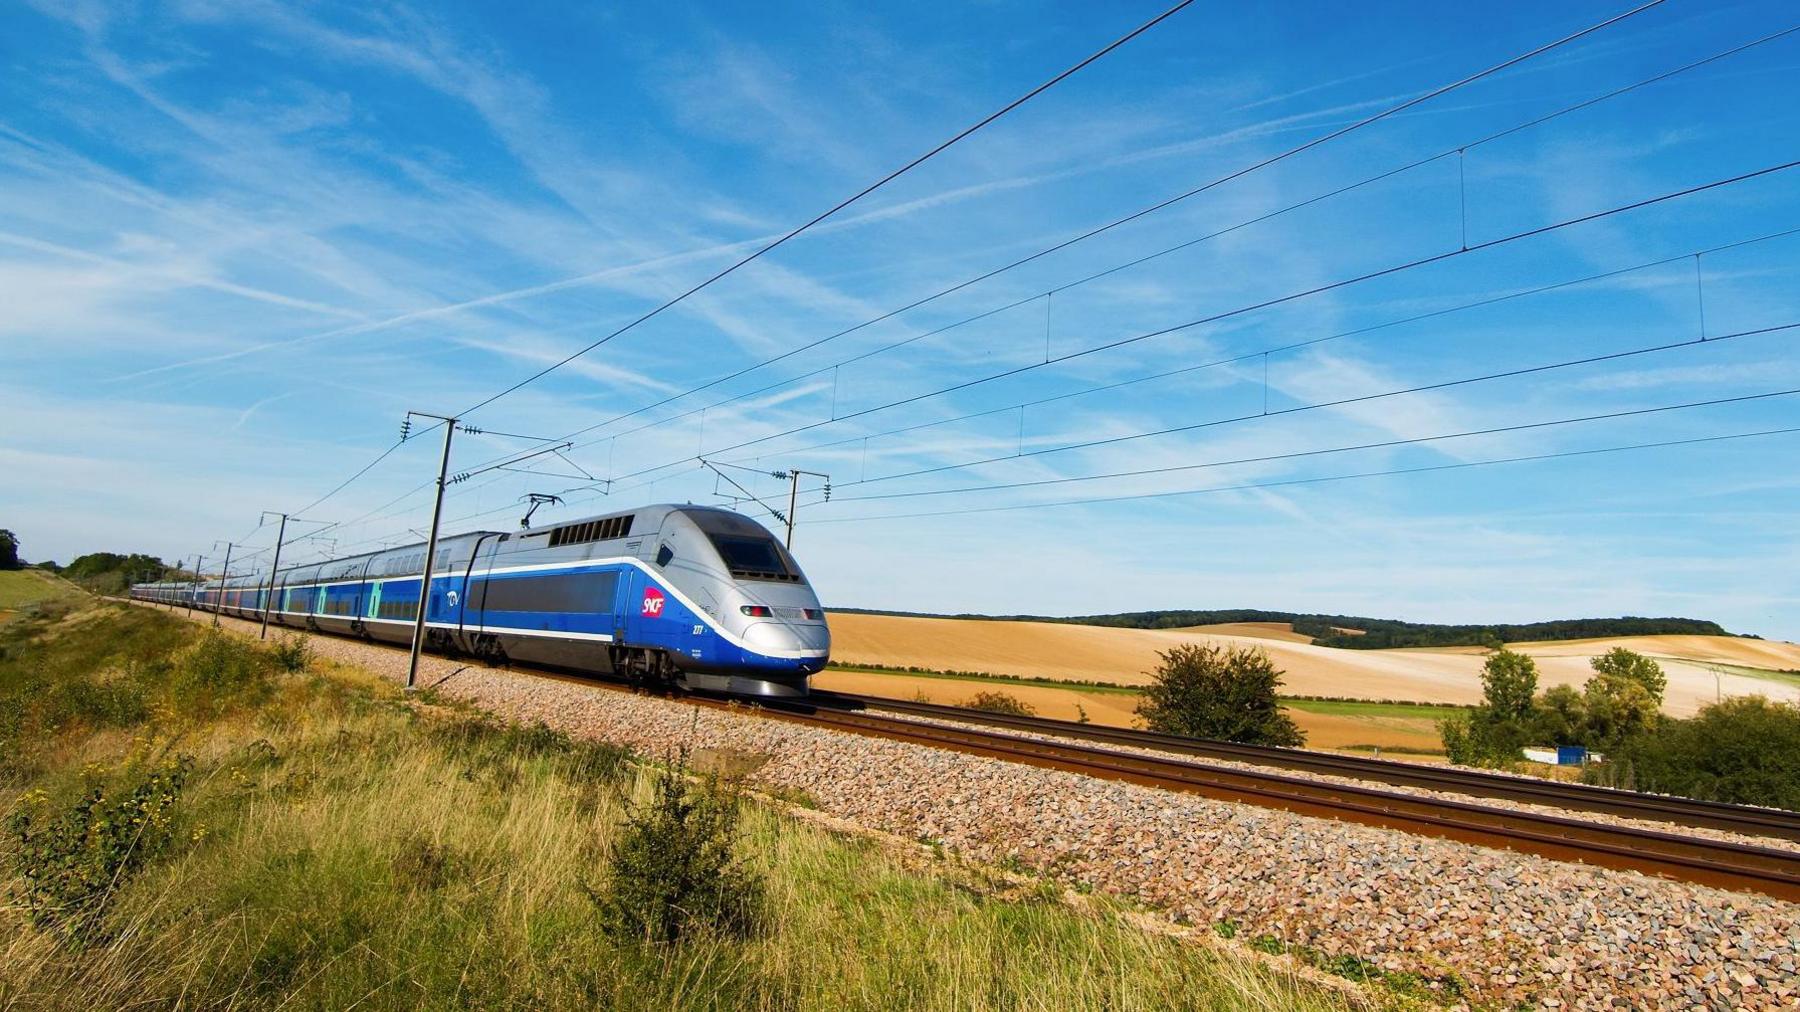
{"x":746,"y":547}
{"x":754,"y":557}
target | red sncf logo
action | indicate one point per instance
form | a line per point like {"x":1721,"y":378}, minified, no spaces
{"x":653,"y":602}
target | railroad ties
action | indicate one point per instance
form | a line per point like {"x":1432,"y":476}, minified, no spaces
{"x":1721,"y":864}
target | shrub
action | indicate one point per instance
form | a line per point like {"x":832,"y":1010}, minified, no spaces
{"x":72,"y":862}
{"x":1475,"y":739}
{"x":999,"y":702}
{"x":1221,"y":692}
{"x":220,"y":662}
{"x":291,"y":653}
{"x":1745,"y":750}
{"x":673,"y":870}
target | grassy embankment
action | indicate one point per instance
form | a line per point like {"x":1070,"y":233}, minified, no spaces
{"x":196,"y":820}
{"x":22,"y":588}
{"x":1344,"y":724}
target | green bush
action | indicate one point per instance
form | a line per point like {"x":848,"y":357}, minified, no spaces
{"x":1476,"y":739}
{"x":999,"y":702}
{"x":71,"y":862}
{"x":1745,"y":750}
{"x":673,"y":871}
{"x":291,"y":654}
{"x":1218,"y":692}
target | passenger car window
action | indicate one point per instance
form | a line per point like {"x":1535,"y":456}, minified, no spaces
{"x":664,"y":555}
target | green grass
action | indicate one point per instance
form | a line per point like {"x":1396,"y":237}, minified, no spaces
{"x":330,"y":845}
{"x":25,"y":588}
{"x":1358,"y":708}
{"x":1778,"y":676}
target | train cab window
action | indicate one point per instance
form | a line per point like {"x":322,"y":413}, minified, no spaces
{"x":665,"y":555}
{"x":756,"y":558}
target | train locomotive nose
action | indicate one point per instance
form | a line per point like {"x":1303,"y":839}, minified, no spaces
{"x":788,"y":639}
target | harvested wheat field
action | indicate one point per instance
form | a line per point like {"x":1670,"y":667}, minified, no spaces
{"x":1411,"y":735}
{"x":1446,"y":675}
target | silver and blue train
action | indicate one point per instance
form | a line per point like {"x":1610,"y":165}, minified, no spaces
{"x":692,"y":596}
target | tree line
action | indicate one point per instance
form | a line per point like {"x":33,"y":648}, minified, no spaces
{"x":1356,"y":632}
{"x":1744,"y":750}
{"x":100,"y":572}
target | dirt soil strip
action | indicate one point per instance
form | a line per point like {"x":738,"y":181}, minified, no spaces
{"x":1511,"y":928}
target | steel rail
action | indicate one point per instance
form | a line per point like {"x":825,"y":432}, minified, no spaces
{"x":1734,"y":866}
{"x":1743,"y":819}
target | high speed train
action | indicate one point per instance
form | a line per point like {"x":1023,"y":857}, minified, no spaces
{"x":693,"y":596}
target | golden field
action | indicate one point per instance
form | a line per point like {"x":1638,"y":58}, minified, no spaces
{"x":1433,"y":675}
{"x":1392,"y":729}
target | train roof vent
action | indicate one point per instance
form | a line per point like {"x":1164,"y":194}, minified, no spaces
{"x":593,"y":530}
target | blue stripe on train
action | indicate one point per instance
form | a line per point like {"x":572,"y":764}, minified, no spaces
{"x":634,"y":607}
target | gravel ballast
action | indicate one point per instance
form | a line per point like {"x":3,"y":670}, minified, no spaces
{"x":1514,"y":928}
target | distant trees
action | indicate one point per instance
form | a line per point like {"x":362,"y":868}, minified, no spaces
{"x":1495,"y":733}
{"x":9,"y":550}
{"x":1745,"y":750}
{"x":1220,"y":692}
{"x":110,"y":572}
{"x":1619,"y":704}
{"x":1357,"y":632}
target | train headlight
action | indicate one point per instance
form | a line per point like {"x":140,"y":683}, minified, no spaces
{"x":757,"y":610}
{"x":812,"y":614}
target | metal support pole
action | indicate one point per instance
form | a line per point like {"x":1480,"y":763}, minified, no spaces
{"x":793,"y":504}
{"x":437,"y":509}
{"x":223,"y":576}
{"x":274,"y":568}
{"x":199,"y":560}
{"x":793,"y":476}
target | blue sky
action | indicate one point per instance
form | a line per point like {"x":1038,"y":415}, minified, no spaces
{"x":239,"y":240}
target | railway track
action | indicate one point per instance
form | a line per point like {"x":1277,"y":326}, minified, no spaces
{"x":1741,"y":819}
{"x":1734,"y":866}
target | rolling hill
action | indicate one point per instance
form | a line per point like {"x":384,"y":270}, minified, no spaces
{"x":1426,"y":674}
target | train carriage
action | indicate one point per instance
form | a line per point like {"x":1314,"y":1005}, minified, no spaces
{"x":696,"y":596}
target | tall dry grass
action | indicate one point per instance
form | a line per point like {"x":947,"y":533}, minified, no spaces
{"x":336,"y":847}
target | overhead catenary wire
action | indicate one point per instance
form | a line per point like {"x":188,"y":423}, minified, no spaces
{"x":1323,"y":405}
{"x":1713,"y":341}
{"x":1320,"y":479}
{"x":1242,"y":310}
{"x":1220,"y":181}
{"x":865,"y":191}
{"x":1423,"y":469}
{"x":1385,"y":444}
{"x":1267,"y":458}
{"x":1253,"y":354}
{"x":1538,"y":120}
{"x":1789,"y":30}
{"x":1263,"y":353}
{"x":1046,"y":294}
{"x":914,"y":163}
